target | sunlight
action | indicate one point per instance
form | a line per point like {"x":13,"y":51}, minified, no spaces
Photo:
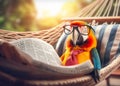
{"x":48,"y":8}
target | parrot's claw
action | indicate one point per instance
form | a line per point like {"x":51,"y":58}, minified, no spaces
{"x":95,"y":75}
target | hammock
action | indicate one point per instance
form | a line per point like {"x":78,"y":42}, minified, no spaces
{"x":51,"y":36}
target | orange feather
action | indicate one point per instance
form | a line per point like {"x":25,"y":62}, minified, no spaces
{"x":78,"y":54}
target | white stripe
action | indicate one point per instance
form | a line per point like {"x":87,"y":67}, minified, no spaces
{"x":97,"y":30}
{"x":115,"y":43}
{"x":105,"y":39}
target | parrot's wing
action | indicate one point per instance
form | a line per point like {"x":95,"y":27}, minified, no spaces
{"x":96,"y":63}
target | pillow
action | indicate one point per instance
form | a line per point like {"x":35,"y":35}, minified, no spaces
{"x":108,"y":42}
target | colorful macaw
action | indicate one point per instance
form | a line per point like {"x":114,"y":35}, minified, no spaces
{"x":80,"y":45}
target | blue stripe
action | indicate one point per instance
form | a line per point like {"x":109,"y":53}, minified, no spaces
{"x":101,"y":33}
{"x":109,"y":45}
{"x":118,"y":51}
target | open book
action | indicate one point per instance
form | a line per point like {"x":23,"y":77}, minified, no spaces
{"x":46,"y":60}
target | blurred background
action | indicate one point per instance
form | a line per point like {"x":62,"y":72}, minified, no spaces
{"x":34,"y":15}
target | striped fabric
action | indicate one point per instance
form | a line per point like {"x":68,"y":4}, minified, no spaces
{"x":108,"y":37}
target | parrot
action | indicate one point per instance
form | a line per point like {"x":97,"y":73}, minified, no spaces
{"x":80,"y":46}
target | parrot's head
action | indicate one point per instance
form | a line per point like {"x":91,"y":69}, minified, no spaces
{"x":78,"y":32}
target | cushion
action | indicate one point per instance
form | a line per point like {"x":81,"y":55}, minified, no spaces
{"x":108,"y":39}
{"x":108,"y":42}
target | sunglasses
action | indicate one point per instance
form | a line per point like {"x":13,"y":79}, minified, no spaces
{"x":83,"y":29}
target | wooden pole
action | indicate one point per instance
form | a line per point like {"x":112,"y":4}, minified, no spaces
{"x":100,"y":20}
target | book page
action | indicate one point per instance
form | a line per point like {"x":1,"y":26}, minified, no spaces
{"x":39,"y":50}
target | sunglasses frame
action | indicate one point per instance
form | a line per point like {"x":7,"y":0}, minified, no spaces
{"x":68,"y":31}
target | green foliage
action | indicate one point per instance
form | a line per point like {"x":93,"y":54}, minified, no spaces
{"x":17,"y":15}
{"x":20,"y":15}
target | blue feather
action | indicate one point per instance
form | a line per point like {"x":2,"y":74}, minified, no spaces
{"x":96,"y":59}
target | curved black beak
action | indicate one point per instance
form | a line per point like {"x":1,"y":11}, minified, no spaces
{"x":77,"y":38}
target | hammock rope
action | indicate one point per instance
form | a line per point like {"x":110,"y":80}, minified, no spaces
{"x":98,"y":11}
{"x":101,"y":8}
{"x":83,"y":12}
{"x":117,"y":9}
{"x":108,"y":8}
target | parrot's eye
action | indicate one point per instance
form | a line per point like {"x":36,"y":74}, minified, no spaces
{"x":84,"y":30}
{"x":68,"y":29}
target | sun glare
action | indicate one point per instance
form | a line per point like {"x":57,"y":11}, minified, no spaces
{"x":48,"y":8}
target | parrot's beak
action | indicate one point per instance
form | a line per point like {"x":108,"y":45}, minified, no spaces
{"x":77,"y":37}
